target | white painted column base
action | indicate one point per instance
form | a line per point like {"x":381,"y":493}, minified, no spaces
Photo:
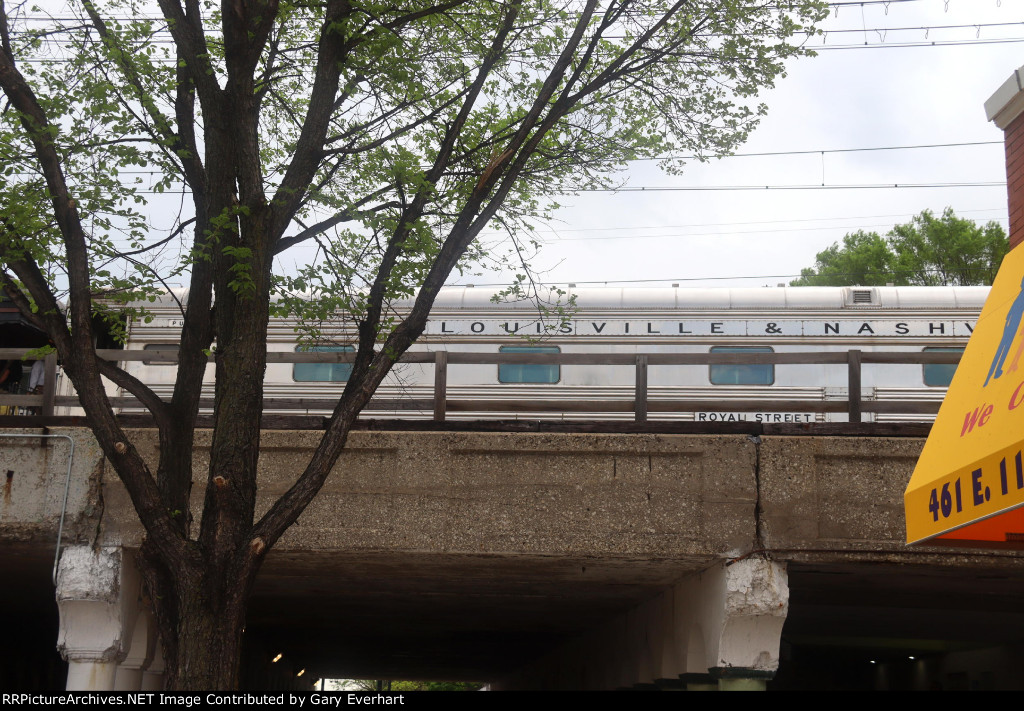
{"x":91,"y":676}
{"x":141,"y":654}
{"x":153,"y":676}
{"x":127,"y":679}
{"x":152,"y":681}
{"x":741,"y":684}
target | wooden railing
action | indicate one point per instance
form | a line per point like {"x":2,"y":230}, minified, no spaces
{"x":45,"y":401}
{"x":640,"y":406}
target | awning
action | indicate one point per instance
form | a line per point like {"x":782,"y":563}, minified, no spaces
{"x":15,"y":329}
{"x":968,"y":486}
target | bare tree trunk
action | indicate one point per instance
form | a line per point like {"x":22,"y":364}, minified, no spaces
{"x":200,"y":612}
{"x":209,"y":640}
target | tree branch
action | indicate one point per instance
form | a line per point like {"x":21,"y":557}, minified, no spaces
{"x":370,"y":368}
{"x":159,"y":409}
{"x":166,"y":137}
{"x":5,"y":32}
{"x":309,"y":147}
{"x":324,"y":225}
{"x":186,"y":27}
{"x":75,"y":344}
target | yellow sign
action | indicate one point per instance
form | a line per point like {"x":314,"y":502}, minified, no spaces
{"x":969,"y":482}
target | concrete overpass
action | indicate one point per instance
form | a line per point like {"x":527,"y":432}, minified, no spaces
{"x":542,"y":559}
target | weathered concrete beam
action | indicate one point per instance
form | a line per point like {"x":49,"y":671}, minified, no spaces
{"x":33,"y":473}
{"x":653,"y":496}
{"x":841,"y":498}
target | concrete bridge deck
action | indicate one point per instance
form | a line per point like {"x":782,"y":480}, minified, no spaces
{"x":569,"y":560}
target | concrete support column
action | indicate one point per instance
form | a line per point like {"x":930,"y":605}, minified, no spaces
{"x":127,"y":678}
{"x":140,"y":655}
{"x":88,"y":675}
{"x":717,"y":630}
{"x":153,"y":676}
{"x":699,"y":682}
{"x":728,"y":624}
{"x":754,"y":605}
{"x":97,"y":598}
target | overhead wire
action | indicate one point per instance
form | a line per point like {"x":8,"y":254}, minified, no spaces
{"x":837,"y":150}
{"x":674,"y":280}
{"x":869,"y":2}
{"x":758,"y":154}
{"x":730,"y":233}
{"x":907,"y":44}
{"x":923,"y":43}
{"x":716,"y":188}
{"x":883,"y":44}
{"x":709,"y":188}
{"x":881,"y":32}
{"x":922,"y":28}
{"x":755,"y":222}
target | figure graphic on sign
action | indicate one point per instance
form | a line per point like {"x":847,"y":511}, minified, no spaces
{"x":1013,"y":318}
{"x":1016,"y":357}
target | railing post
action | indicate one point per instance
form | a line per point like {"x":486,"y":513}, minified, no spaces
{"x":640,"y":397}
{"x":853,"y":384}
{"x":440,"y":385}
{"x":49,"y":383}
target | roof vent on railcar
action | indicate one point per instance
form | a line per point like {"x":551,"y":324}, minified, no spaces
{"x":861,"y":297}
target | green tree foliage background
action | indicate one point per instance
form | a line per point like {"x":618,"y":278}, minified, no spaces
{"x":927,"y":251}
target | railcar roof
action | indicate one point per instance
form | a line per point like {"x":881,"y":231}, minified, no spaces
{"x":723,"y":298}
{"x":745,"y":298}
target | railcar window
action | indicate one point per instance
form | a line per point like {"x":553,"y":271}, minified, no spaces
{"x":172,"y":347}
{"x":322,"y":372}
{"x":528,"y":372}
{"x":746,"y":374}
{"x":940,"y":375}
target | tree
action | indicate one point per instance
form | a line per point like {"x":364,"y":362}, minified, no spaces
{"x":927,"y":251}
{"x":387,"y":134}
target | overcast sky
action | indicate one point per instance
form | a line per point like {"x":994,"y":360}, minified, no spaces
{"x":865,"y":97}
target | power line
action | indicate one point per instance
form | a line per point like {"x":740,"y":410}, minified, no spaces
{"x":924,"y":28}
{"x":869,"y":2}
{"x":719,"y":234}
{"x":912,"y":45}
{"x":816,"y":48}
{"x":852,"y":30}
{"x":672,"y":280}
{"x":762,"y":154}
{"x":134,"y":17}
{"x":880,"y":31}
{"x":714,"y":188}
{"x":703,"y":188}
{"x":755,"y":222}
{"x":838,"y":150}
{"x":823,"y":151}
{"x":706,"y":188}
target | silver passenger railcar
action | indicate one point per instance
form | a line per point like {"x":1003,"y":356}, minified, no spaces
{"x":747,"y":321}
